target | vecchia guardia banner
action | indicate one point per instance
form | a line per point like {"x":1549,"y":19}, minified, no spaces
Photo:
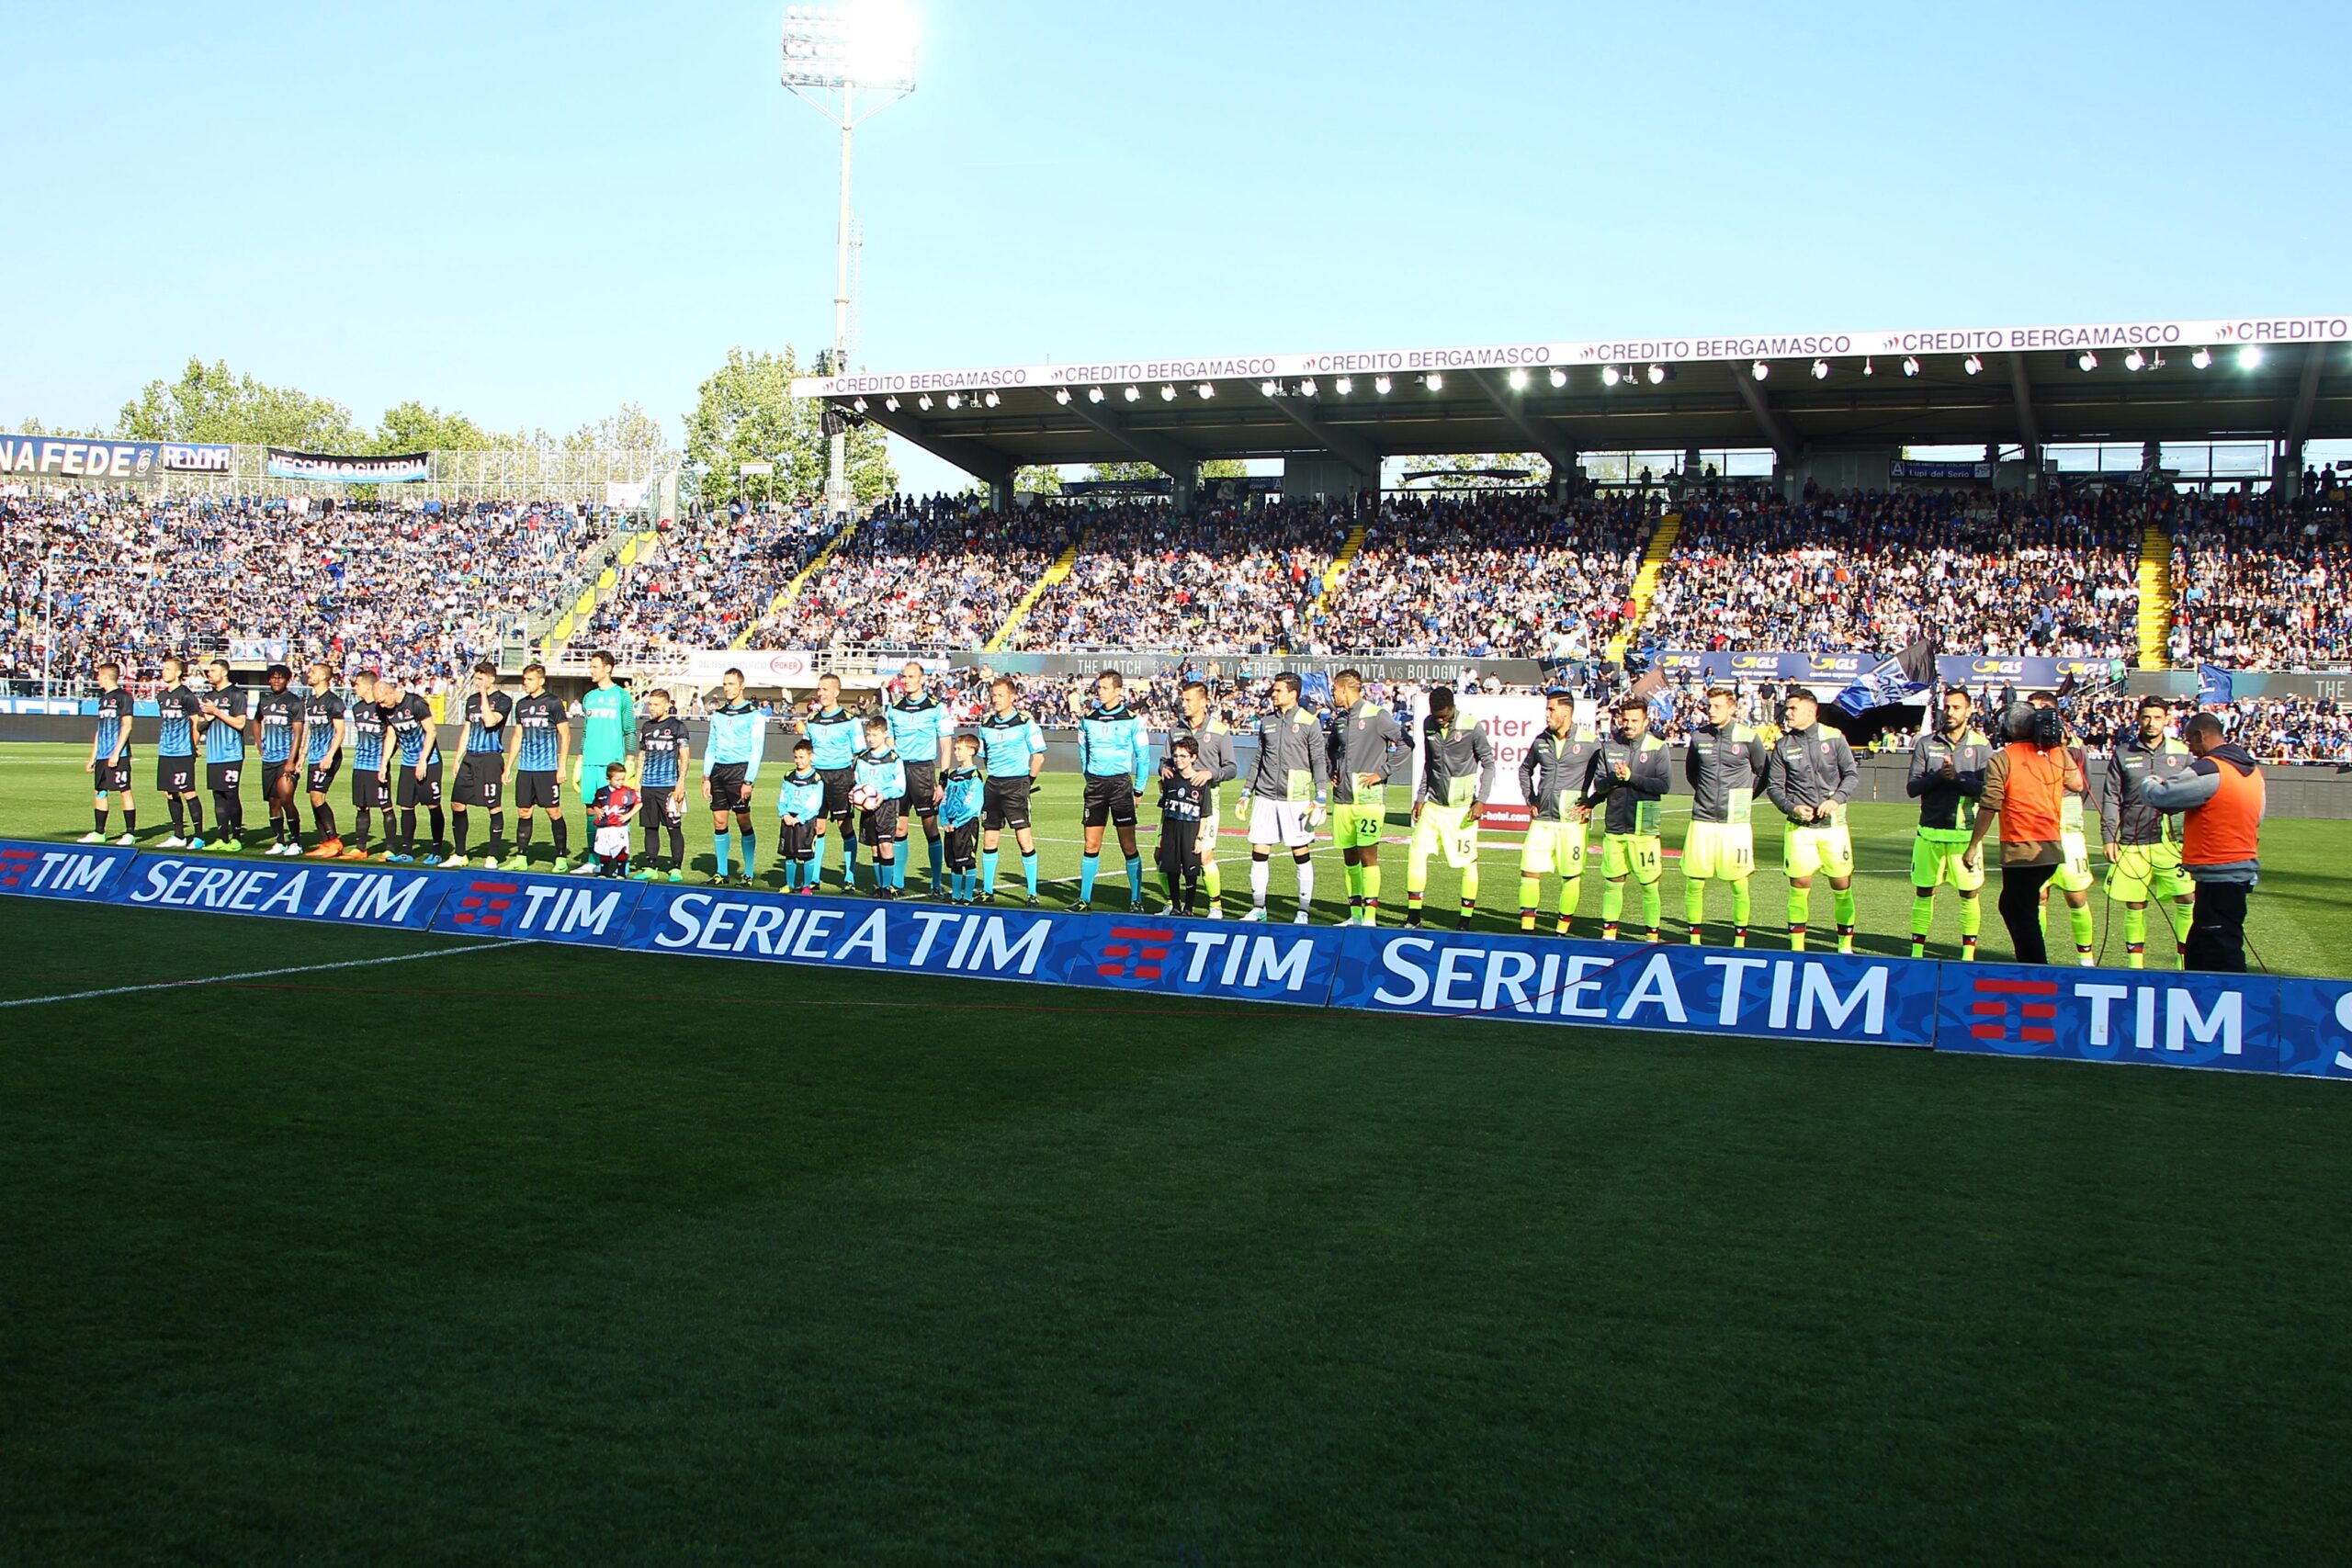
{"x":403,"y":467}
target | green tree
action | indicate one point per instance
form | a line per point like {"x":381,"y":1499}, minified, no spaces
{"x":1038,"y":478}
{"x":35,"y":427}
{"x":1212,"y":469}
{"x":208,"y":404}
{"x":1460,"y":469}
{"x":629,"y":430}
{"x":1224,"y":469}
{"x":413,"y":427}
{"x":744,"y":412}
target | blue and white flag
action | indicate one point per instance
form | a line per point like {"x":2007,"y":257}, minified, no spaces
{"x":2214,"y":685}
{"x":1897,"y":679}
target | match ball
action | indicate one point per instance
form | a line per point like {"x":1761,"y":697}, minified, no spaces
{"x":866,"y":797}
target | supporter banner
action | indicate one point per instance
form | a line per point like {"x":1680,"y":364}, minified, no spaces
{"x":761,"y":669}
{"x":89,"y":873}
{"x":57,"y":456}
{"x":405,"y":468}
{"x":2249,"y":685}
{"x":2224,"y":1021}
{"x":1594,"y":353}
{"x":352,"y":896}
{"x":1256,"y":666}
{"x":258,"y":650}
{"x":1958,"y":670}
{"x":1915,"y":469}
{"x":589,"y":909}
{"x":1877,"y":1001}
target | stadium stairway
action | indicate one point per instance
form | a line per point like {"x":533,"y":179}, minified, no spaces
{"x":1054,"y":573}
{"x":2155,"y":597}
{"x":1337,"y":575}
{"x":577,"y":613}
{"x":791,"y":590}
{"x":1654,"y":560}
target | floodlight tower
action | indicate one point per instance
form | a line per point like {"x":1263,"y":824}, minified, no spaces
{"x":848,"y":60}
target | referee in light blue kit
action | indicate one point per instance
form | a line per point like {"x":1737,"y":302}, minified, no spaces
{"x":730,"y":765}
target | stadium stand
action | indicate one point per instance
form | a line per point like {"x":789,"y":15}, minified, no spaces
{"x":2261,"y":584}
{"x":711,"y":579}
{"x":936,"y":572}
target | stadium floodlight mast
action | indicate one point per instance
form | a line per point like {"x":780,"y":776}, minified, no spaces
{"x":848,"y":61}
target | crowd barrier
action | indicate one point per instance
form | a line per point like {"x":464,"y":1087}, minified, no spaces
{"x":2248,"y":1023}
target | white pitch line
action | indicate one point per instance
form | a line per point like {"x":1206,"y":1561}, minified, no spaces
{"x":254,"y":975}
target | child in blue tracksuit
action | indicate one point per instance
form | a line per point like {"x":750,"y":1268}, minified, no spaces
{"x":883,"y":775}
{"x":959,"y":816}
{"x":800,"y":805}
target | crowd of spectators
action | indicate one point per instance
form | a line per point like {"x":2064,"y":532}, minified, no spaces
{"x":1494,"y":575}
{"x":710,"y":575}
{"x":2261,"y":583}
{"x":942,"y":571}
{"x":2004,"y":576}
{"x":413,"y":589}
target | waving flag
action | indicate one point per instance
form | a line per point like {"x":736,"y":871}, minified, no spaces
{"x":2214,"y":685}
{"x":1896,"y":680}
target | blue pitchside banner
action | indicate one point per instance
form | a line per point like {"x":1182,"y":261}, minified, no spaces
{"x":1875,"y":1001}
{"x":2236,"y":1023}
{"x":351,"y":896}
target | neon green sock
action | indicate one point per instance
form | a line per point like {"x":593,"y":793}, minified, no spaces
{"x":1800,"y":905}
{"x":1417,"y":873}
{"x":1741,"y":904}
{"x":2177,"y":915}
{"x":1372,"y":882}
{"x":2081,"y":921}
{"x":1653,"y":903}
{"x":1355,"y":883}
{"x":1530,"y":891}
{"x":1612,"y":900}
{"x":1470,"y":887}
{"x":1211,"y":881}
{"x":1694,"y":901}
{"x":1923,"y":914}
{"x":1972,"y":916}
{"x":1570,"y":887}
{"x":1841,"y":902}
{"x":2135,"y":926}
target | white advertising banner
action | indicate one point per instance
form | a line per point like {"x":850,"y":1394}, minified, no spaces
{"x":1512,"y":724}
{"x":764,"y":669}
{"x":1533,"y":355}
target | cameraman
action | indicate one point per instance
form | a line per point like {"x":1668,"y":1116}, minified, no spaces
{"x":2025,"y":789}
{"x":2221,"y":791}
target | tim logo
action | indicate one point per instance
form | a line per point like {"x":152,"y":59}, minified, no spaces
{"x":2034,"y":1022}
{"x":13,"y":863}
{"x":1135,"y":951}
{"x":485,"y":905}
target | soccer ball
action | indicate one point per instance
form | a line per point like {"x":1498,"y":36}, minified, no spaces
{"x":866,"y":797}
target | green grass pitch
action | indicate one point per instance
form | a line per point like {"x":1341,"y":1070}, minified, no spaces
{"x":485,"y":1252}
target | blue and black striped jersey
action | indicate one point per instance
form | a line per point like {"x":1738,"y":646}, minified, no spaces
{"x":224,"y":742}
{"x":659,"y":743}
{"x":321,"y":711}
{"x":278,"y":712}
{"x":366,"y":736}
{"x":114,"y":723}
{"x":537,"y":719}
{"x":410,"y":718}
{"x":483,"y":737}
{"x":176,"y":737}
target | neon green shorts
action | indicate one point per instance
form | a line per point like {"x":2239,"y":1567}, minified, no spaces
{"x":1450,"y":830}
{"x":1356,"y":826}
{"x":2141,"y":872}
{"x":1641,"y":854}
{"x":1725,"y":849}
{"x":1808,"y":850}
{"x":1942,"y":863}
{"x":1553,"y":848}
{"x":2073,"y":873}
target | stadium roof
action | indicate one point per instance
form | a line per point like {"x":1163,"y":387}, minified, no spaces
{"x":2287,"y":378}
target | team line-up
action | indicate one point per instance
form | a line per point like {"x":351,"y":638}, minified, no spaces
{"x":859,"y":781}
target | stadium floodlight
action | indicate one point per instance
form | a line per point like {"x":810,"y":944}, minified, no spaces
{"x":1344,"y":385}
{"x":1910,"y":365}
{"x":1380,"y":384}
{"x":1207,"y":390}
{"x":1869,"y":368}
{"x":1659,"y":374}
{"x":1306,"y":387}
{"x":2135,"y":360}
{"x":923,"y":403}
{"x":1132,"y":393}
{"x":2087,"y":361}
{"x":1268,"y":389}
{"x":1167,"y":394}
{"x":848,"y":61}
{"x":1061,"y":396}
{"x":1519,"y":380}
{"x":891,"y":403}
{"x":1821,"y":370}
{"x":1610,"y":375}
{"x":954,"y":399}
{"x":1559,"y":380}
{"x":990,"y":399}
{"x":2203,"y":359}
{"x":859,"y":404}
{"x":1760,"y":370}
{"x":1093,"y":394}
{"x":1435,"y":381}
{"x":2249,"y":356}
{"x":1972,"y":365}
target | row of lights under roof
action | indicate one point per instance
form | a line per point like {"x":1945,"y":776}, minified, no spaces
{"x":2249,"y":356}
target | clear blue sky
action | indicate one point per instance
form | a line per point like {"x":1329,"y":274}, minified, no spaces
{"x":536,"y":212}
